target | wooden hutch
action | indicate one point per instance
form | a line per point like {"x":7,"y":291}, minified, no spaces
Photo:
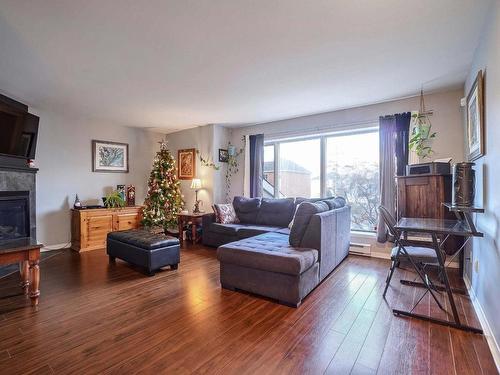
{"x":89,"y":227}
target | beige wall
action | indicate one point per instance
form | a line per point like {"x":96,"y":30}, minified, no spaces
{"x":485,"y":275}
{"x":65,"y":161}
{"x":446,"y":121}
{"x":207,"y":139}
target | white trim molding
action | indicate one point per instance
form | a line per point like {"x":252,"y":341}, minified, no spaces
{"x":485,"y":325}
{"x":59,"y":246}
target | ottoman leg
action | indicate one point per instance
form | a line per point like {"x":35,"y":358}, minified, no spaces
{"x":174,"y":266}
{"x":112,"y":259}
{"x":150,"y":273}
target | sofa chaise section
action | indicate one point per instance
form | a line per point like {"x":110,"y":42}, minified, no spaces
{"x":268,"y":265}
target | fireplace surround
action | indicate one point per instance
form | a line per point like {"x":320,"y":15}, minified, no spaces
{"x":17,"y":203}
{"x":14,"y":215}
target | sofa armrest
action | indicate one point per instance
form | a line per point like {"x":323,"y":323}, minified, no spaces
{"x":208,"y":219}
{"x":330,"y":233}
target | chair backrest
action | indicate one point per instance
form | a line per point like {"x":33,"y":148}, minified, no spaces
{"x":389,"y":221}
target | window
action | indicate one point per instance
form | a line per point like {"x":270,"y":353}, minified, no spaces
{"x":352,"y":171}
{"x":269,"y":182}
{"x":350,"y":168}
{"x":299,"y":168}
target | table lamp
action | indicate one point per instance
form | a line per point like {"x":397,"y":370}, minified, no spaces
{"x":196,"y":185}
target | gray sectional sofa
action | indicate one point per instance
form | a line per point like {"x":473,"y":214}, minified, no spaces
{"x":262,"y":255}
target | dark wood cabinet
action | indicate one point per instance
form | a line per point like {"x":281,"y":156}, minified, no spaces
{"x":422,"y":196}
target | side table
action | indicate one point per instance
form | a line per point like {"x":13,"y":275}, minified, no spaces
{"x":26,"y":252}
{"x":195,"y":220}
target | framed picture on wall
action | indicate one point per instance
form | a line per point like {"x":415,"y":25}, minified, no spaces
{"x":109,"y":156}
{"x":223,"y":155}
{"x":187,"y":164}
{"x":475,"y":119}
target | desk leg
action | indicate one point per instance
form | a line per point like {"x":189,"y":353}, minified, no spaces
{"x":445,"y":280}
{"x":25,"y":276}
{"x":35,"y":282}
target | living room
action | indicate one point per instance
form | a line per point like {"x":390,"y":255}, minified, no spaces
{"x":244,"y":187}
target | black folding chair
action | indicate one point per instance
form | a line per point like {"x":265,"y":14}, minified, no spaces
{"x":418,"y":253}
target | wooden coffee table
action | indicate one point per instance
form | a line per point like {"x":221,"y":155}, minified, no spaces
{"x":194,"y":219}
{"x":26,"y":252}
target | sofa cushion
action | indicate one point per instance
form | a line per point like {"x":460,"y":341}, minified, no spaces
{"x":276,"y":212}
{"x":334,"y":203}
{"x":246,"y":209}
{"x":228,"y":229}
{"x":270,"y":252}
{"x":299,"y":200}
{"x":284,"y":231}
{"x":301,"y":220}
{"x":250,"y":230}
{"x":225,"y":214}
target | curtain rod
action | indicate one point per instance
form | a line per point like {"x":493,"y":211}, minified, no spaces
{"x":331,"y":128}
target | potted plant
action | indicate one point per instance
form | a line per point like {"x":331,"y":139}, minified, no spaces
{"x":114,"y":200}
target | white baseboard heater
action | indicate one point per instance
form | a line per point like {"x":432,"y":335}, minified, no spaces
{"x":360,"y":249}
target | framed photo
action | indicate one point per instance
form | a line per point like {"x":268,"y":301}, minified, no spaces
{"x":109,"y":156}
{"x":223,"y":155}
{"x":475,"y":119}
{"x":187,"y":164}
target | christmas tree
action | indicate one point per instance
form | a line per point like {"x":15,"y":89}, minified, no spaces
{"x":164,"y":200}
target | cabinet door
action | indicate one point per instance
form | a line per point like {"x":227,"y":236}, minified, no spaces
{"x":126,"y":221}
{"x":97,"y":229}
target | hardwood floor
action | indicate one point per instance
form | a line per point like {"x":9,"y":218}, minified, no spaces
{"x":99,"y":318}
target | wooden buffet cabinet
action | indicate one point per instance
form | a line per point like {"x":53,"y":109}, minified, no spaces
{"x":89,"y":227}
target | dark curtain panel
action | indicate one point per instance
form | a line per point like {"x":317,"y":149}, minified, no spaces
{"x":256,"y":164}
{"x":402,"y":139}
{"x":387,"y":166}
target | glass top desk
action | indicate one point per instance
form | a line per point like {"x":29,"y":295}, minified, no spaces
{"x":462,"y":226}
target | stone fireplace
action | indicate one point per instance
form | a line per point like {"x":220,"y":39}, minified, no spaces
{"x":17,"y":203}
{"x":17,"y":206}
{"x":14,"y":215}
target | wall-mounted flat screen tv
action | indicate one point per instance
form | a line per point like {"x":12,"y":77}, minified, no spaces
{"x":18,"y":132}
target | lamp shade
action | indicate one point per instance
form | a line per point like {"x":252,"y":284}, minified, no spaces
{"x":196,"y":183}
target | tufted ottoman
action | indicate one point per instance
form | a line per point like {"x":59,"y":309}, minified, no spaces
{"x":269,"y":266}
{"x":144,"y":249}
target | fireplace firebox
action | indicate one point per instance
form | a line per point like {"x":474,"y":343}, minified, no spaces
{"x":14,"y":215}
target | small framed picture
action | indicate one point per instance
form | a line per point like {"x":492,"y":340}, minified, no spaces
{"x":223,"y":155}
{"x":109,"y":156}
{"x":187,"y":164}
{"x":475,"y":119}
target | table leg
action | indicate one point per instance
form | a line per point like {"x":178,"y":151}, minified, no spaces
{"x":193,"y":231}
{"x":181,"y":226}
{"x":25,"y":276}
{"x":35,"y":282}
{"x":445,"y":280}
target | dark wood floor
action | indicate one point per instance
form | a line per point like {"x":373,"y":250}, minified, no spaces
{"x":99,"y":318}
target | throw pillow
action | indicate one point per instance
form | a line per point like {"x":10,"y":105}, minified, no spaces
{"x":301,"y":220}
{"x":247,"y":209}
{"x":226,"y":214}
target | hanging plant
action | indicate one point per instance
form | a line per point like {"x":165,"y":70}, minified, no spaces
{"x":422,"y":134}
{"x":232,"y":168}
{"x":206,"y":162}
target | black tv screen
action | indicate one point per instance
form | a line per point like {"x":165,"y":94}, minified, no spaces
{"x":18,"y":133}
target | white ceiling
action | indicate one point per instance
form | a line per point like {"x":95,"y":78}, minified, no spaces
{"x":178,"y":64}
